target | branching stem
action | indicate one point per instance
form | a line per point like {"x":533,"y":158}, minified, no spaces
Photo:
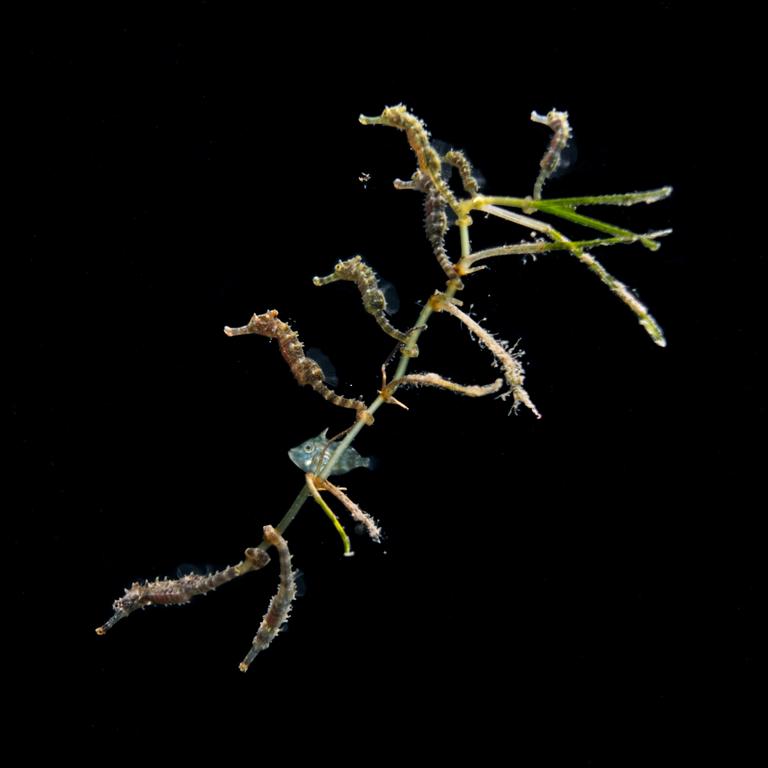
{"x":430,"y":180}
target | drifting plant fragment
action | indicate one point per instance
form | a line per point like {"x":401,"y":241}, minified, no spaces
{"x":321,"y":457}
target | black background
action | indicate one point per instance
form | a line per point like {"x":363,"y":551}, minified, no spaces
{"x":579,"y":589}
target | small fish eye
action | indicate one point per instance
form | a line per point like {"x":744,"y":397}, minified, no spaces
{"x":308,"y":447}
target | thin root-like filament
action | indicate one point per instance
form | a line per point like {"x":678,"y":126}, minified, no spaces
{"x":435,"y":380}
{"x":509,"y":361}
{"x":365,"y":520}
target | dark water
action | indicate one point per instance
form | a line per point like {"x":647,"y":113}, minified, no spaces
{"x":575,"y":591}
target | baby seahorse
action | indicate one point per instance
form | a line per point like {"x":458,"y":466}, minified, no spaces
{"x":356,"y":271}
{"x":280,"y":605}
{"x":561,"y":135}
{"x":435,"y":219}
{"x":178,"y":591}
{"x":305,"y":370}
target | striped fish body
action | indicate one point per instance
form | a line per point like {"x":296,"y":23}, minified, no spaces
{"x":313,"y":454}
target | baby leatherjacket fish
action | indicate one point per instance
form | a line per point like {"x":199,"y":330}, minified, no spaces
{"x":313,"y":454}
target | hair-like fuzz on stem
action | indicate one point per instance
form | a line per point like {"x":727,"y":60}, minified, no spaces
{"x":435,"y":380}
{"x":507,"y":359}
{"x":358,"y":515}
{"x":430,"y":180}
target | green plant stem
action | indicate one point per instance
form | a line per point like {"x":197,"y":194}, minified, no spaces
{"x":405,"y":358}
{"x":600,"y":226}
{"x":288,"y":517}
{"x":631,"y":198}
{"x":330,"y":514}
{"x":545,"y":247}
{"x":564,"y":210}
